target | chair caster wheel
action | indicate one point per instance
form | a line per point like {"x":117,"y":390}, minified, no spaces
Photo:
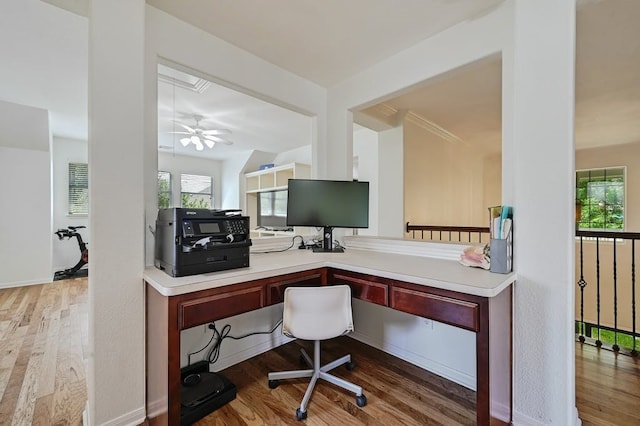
{"x":273,"y":384}
{"x":301,"y":415}
{"x":361,"y":400}
{"x":350,"y":365}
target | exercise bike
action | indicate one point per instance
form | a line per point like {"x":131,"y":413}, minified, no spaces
{"x":72,"y":232}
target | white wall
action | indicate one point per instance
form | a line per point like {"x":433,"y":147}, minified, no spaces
{"x":116,"y":376}
{"x":539,"y":110}
{"x":25,"y":196}
{"x":391,"y":183}
{"x":300,"y":155}
{"x":233,"y":181}
{"x":181,"y":164}
{"x":365,"y":150}
{"x":64,"y":151}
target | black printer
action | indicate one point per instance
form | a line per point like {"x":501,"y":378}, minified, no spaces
{"x":197,"y":241}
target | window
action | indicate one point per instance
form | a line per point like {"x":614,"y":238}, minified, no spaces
{"x":600,"y":199}
{"x":164,"y":190}
{"x":196,"y":191}
{"x":78,"y":189}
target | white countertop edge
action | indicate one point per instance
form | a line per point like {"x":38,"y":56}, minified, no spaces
{"x":469,"y":280}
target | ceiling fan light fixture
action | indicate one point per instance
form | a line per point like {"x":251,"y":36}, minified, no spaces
{"x":200,"y":137}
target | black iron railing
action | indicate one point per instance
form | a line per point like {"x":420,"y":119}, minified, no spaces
{"x":606,"y":271}
{"x":466,"y":234}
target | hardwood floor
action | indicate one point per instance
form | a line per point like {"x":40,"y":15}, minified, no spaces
{"x":43,"y":353}
{"x":397,"y":392}
{"x":607,"y":387}
{"x":43,"y":356}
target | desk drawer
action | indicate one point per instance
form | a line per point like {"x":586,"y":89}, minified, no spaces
{"x":460,"y":313}
{"x":275,"y":290}
{"x":223,"y":305}
{"x":362,"y":287}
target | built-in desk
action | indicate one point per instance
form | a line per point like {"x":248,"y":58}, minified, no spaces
{"x":441,"y":290}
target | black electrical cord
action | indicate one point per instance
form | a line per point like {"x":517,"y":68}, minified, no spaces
{"x":214,"y":353}
{"x":293,"y":240}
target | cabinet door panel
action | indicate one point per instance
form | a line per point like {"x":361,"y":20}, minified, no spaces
{"x":362,"y":287}
{"x":210,"y":308}
{"x":275,"y":290}
{"x":460,"y":313}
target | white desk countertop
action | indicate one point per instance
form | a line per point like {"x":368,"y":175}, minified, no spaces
{"x":444,"y":274}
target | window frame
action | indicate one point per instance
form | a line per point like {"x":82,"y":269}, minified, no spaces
{"x":197,"y":194}
{"x":169,"y":191}
{"x":75,"y":188}
{"x":615,"y":171}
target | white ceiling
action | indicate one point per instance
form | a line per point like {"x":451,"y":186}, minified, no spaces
{"x":324,"y":41}
{"x":46,"y":66}
{"x":255,"y":124}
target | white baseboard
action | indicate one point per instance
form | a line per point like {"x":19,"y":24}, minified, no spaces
{"x":85,"y":415}
{"x":156,"y":408}
{"x":416,"y":359}
{"x":501,"y":411}
{"x":520,"y":419}
{"x":46,"y":280}
{"x":576,"y":417}
{"x":133,"y":418}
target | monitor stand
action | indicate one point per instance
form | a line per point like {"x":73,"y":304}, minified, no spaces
{"x":327,"y":242}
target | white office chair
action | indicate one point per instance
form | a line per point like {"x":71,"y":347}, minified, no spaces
{"x":317,"y":313}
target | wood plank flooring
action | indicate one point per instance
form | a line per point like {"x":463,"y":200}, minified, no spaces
{"x":607,"y":387}
{"x":43,"y":357}
{"x":397,"y":392}
{"x":43,"y":353}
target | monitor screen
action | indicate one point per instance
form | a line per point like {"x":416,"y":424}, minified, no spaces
{"x":328,"y":203}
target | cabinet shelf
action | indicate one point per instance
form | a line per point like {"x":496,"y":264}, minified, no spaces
{"x":272,"y":179}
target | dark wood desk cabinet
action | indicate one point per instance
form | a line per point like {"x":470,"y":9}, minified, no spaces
{"x":168,"y":315}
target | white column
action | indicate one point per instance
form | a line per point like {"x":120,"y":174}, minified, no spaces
{"x":540,"y":183}
{"x":390,"y":182}
{"x":116,"y":380}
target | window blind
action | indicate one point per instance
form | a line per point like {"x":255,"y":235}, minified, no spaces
{"x":78,"y":189}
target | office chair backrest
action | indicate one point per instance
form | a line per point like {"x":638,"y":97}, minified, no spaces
{"x":317,"y":313}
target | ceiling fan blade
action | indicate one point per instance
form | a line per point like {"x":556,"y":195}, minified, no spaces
{"x":216,"y":132}
{"x":217,"y":139}
{"x":180,"y":133}
{"x":187,"y":128}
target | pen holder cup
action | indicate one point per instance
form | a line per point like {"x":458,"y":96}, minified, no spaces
{"x":500,"y":254}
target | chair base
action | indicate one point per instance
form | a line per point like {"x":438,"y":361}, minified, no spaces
{"x":315,"y":373}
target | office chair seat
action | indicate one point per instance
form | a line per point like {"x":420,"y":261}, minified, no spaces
{"x":317,"y":313}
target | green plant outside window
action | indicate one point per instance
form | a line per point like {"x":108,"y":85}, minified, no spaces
{"x":600,"y":199}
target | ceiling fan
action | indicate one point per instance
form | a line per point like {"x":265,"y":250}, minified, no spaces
{"x":201,"y":137}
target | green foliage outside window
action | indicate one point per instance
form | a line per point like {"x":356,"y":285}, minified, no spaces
{"x":194,"y":201}
{"x":196,"y":191}
{"x":600,"y":199}
{"x":164,"y":190}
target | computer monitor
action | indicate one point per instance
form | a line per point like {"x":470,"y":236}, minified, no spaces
{"x":328,"y":204}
